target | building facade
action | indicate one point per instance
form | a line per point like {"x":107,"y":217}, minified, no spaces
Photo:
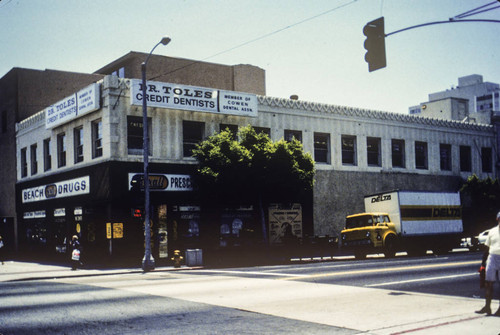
{"x":81,"y":173}
{"x":24,"y":92}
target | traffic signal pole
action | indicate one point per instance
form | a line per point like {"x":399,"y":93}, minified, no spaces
{"x":375,"y":39}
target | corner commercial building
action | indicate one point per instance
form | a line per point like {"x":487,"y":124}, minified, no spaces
{"x":93,"y":184}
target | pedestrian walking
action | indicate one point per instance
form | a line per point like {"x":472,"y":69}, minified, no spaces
{"x":1,"y":250}
{"x":75,"y":252}
{"x":491,"y":260}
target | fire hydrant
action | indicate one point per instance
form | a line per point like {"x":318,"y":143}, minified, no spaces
{"x":177,"y":258}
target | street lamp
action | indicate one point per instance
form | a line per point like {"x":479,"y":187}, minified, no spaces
{"x":148,"y":262}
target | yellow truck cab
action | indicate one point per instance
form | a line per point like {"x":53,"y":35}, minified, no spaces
{"x":368,"y":233}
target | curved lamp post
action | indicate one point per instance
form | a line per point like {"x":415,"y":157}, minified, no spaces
{"x":148,"y":262}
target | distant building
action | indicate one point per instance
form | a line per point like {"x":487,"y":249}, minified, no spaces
{"x":471,"y":101}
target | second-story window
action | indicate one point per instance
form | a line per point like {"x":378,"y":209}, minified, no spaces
{"x":293,"y":134}
{"x":349,"y":150}
{"x":33,"y":159}
{"x":398,"y":153}
{"x":78,"y":143}
{"x":47,"y":155}
{"x":445,"y":157}
{"x":421,"y":155}
{"x":373,"y":151}
{"x":135,"y":135}
{"x":61,"y":150}
{"x":24,"y":163}
{"x":233,"y":128}
{"x":465,"y":158}
{"x":486,"y":159}
{"x":192,"y":134}
{"x":96,"y":138}
{"x":322,"y":148}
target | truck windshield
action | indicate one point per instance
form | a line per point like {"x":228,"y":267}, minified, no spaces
{"x":359,"y":221}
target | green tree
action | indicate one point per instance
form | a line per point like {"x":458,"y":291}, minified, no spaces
{"x":251,"y":169}
{"x":481,"y":203}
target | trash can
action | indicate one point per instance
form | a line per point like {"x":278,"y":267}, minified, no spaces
{"x":194,"y":257}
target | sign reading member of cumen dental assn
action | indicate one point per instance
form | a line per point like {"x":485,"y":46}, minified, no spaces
{"x":192,"y":98}
{"x":78,"y":104}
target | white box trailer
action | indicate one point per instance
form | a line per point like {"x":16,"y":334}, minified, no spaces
{"x":412,"y":221}
{"x":419,"y":213}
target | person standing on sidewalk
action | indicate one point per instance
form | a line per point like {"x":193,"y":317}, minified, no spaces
{"x":492,"y":259}
{"x":1,"y":250}
{"x":75,"y":252}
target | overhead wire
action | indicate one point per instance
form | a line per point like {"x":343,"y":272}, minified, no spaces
{"x":259,"y":38}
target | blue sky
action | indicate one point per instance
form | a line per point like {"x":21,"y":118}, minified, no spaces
{"x":311,"y":48}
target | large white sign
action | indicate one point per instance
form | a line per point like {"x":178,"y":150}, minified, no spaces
{"x":62,"y":189}
{"x":192,"y":98}
{"x":161,"y":182}
{"x":69,"y":108}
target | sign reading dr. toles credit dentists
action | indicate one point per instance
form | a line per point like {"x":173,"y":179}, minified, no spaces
{"x":192,"y":98}
{"x":62,"y":189}
{"x":80,"y":103}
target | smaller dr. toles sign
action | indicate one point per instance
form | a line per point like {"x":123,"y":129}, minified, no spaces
{"x":198,"y":99}
{"x":76,"y":105}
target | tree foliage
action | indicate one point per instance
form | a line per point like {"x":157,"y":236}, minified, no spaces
{"x":481,"y":201}
{"x":250,"y":166}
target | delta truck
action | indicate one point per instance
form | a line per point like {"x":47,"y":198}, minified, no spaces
{"x":410,"y":221}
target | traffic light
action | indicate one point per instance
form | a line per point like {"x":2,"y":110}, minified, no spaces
{"x":375,"y":44}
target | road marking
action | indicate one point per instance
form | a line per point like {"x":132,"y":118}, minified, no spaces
{"x":399,"y":268}
{"x":422,"y":279}
{"x":249,"y":272}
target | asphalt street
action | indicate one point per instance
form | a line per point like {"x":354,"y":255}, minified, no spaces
{"x":336,"y":297}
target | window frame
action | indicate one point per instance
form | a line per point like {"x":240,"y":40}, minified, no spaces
{"x":24,"y":162}
{"x":421,"y":155}
{"x":290,"y":134}
{"x":136,"y":135}
{"x":486,"y":159}
{"x":193,"y":132}
{"x":61,"y":150}
{"x":374,"y":155}
{"x":78,"y":144}
{"x":465,"y":154}
{"x":398,"y":156}
{"x":349,"y":152}
{"x":445,"y":157}
{"x":33,"y":159}
{"x":96,"y":133}
{"x":321,"y":147}
{"x":47,"y":154}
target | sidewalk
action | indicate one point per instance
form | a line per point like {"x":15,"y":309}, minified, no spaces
{"x":20,"y":271}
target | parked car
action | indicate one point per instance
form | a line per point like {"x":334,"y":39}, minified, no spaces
{"x":481,"y":238}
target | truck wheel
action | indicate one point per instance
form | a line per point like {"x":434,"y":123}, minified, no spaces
{"x":390,"y":247}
